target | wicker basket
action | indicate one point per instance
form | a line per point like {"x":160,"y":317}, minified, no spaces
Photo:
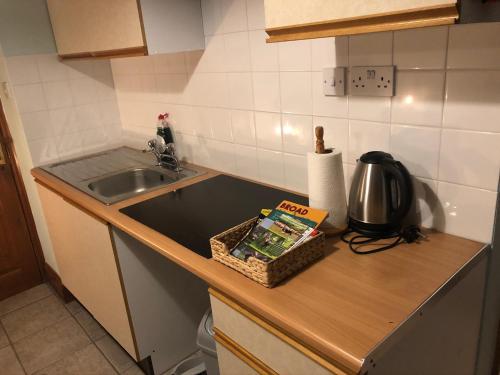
{"x":266,"y":273}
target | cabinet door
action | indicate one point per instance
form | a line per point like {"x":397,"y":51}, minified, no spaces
{"x":297,"y":19}
{"x":87,"y":265}
{"x":94,"y":27}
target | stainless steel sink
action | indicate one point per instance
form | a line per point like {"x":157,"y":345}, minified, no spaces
{"x":116,"y":175}
{"x":133,"y":181}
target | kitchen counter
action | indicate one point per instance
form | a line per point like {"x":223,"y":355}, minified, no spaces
{"x":341,"y":307}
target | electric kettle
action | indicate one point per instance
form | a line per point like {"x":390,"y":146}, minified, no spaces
{"x":380,"y":197}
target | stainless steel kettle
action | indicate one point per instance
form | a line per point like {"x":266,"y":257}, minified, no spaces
{"x":381,"y":195}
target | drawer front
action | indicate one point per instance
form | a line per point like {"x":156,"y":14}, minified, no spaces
{"x":277,"y":354}
{"x":230,"y":364}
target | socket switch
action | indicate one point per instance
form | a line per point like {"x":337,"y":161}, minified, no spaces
{"x":371,"y":81}
{"x":334,"y":81}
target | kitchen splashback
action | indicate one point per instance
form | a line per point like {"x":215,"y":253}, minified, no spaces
{"x":249,"y":108}
{"x":67,"y":108}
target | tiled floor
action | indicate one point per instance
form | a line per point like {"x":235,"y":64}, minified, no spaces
{"x":41,"y":335}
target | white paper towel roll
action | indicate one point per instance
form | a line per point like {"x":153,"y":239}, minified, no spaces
{"x":327,"y":189}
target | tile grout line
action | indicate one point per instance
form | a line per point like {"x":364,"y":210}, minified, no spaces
{"x":11,"y":344}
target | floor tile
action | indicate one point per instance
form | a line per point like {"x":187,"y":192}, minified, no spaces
{"x":74,"y":307}
{"x":24,"y":298}
{"x":115,"y":353}
{"x":34,"y":317}
{"x":88,"y":360}
{"x":90,"y":325}
{"x":4,"y":341}
{"x":9,"y":363}
{"x":135,"y":370}
{"x":51,"y":344}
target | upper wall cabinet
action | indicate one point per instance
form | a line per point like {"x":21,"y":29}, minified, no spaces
{"x":298,"y":19}
{"x":86,"y":28}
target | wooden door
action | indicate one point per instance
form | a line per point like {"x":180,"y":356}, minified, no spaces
{"x":19,"y":269}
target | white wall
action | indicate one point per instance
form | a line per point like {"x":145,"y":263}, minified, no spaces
{"x":247,"y":107}
{"x":24,"y":159}
{"x":68,"y":108}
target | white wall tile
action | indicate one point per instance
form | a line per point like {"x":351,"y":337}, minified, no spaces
{"x":423,"y":48}
{"x":240,"y":90}
{"x":172,"y":88}
{"x":370,"y":49}
{"x":243,"y":127}
{"x":30,"y":98}
{"x":234,"y":16}
{"x":427,"y":205}
{"x":266,"y":89}
{"x":470,"y":158}
{"x":85,"y":68}
{"x":58,"y":94}
{"x":264,"y":56}
{"x":220,"y":122}
{"x":69,"y":145}
{"x":212,"y":16}
{"x":63,"y":121}
{"x":246,"y":162}
{"x":43,"y":151}
{"x":417,"y":147}
{"x":336,"y":133}
{"x":237,"y":52}
{"x":295,"y":168}
{"x":255,"y":13}
{"x":419,"y":98}
{"x":472,"y":100}
{"x":268,"y":130}
{"x":474,"y":45}
{"x":329,"y":52}
{"x":51,"y":69}
{"x":295,"y":55}
{"x":297,"y":133}
{"x":370,"y":108}
{"x":334,"y":106}
{"x":466,"y":212}
{"x":23,"y":70}
{"x":83,"y":91}
{"x":37,"y":125}
{"x":296,"y":94}
{"x":271,"y":167}
{"x":169,"y":63}
{"x":213,"y":58}
{"x":221,"y":156}
{"x":367,"y":136}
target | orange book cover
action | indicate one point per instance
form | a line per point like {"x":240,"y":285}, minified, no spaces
{"x":307,"y":214}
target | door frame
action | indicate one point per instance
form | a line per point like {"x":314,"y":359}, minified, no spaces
{"x":7,"y":144}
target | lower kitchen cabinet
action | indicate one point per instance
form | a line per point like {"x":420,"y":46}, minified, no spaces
{"x":166,"y":302}
{"x":253,"y":342}
{"x":87,"y":264}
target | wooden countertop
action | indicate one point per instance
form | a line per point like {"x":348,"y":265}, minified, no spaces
{"x":340,"y":307}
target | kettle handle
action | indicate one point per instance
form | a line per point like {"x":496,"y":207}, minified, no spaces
{"x":403,"y":179}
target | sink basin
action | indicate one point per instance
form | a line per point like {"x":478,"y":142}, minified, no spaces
{"x":130,"y":182}
{"x":117,"y":174}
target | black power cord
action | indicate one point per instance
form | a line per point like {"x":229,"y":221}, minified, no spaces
{"x":408,"y":234}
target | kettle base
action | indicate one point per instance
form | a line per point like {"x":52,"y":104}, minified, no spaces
{"x":374,"y":230}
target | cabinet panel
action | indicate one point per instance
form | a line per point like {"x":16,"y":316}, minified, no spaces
{"x":230,"y":364}
{"x":262,"y":344}
{"x":87,"y":265}
{"x":295,"y":19}
{"x":92,"y":26}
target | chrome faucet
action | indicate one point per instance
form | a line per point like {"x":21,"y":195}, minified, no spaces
{"x":164,"y":154}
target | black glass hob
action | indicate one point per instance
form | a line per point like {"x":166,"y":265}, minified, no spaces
{"x":194,"y":214}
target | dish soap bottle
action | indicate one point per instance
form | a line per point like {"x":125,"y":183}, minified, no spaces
{"x":163,"y":132}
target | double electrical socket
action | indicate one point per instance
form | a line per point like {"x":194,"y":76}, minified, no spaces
{"x":363,"y":81}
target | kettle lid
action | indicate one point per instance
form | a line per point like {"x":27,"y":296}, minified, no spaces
{"x":375,"y":157}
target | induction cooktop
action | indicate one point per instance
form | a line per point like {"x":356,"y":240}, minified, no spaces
{"x":194,"y":214}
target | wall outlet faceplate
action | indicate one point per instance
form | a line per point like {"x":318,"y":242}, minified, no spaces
{"x":334,"y":81}
{"x":371,"y":81}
